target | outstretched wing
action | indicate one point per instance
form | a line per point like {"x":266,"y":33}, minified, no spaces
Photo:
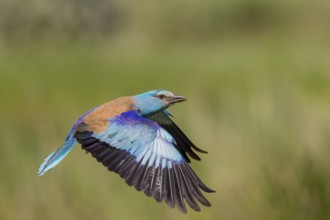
{"x":145,"y":155}
{"x":184,"y":145}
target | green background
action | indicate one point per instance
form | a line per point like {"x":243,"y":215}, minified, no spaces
{"x":257,"y":78}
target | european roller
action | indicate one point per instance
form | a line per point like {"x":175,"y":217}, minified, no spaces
{"x":135,"y":137}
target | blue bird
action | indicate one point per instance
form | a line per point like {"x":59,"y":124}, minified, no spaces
{"x":135,"y":137}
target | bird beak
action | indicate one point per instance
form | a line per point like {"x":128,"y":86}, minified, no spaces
{"x":177,"y":98}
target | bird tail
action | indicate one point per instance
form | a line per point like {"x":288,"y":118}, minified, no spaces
{"x":54,"y":158}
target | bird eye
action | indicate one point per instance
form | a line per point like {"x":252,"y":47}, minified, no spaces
{"x":161,"y":96}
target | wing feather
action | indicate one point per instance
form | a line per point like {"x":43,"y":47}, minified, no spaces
{"x":146,"y":156}
{"x":184,"y":144}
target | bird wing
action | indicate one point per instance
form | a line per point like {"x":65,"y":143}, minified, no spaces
{"x":145,"y":155}
{"x":184,"y":144}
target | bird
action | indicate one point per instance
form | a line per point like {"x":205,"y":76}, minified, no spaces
{"x":135,"y":137}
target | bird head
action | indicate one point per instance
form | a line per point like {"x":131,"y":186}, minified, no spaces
{"x":155,"y":101}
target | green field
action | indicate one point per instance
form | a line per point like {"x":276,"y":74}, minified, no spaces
{"x":258,"y":102}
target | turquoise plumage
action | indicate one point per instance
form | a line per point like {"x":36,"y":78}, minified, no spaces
{"x":135,"y":137}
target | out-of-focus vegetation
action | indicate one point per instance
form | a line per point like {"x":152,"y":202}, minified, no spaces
{"x":256,"y":73}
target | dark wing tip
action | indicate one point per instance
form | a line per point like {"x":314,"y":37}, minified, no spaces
{"x":183,"y":143}
{"x":198,"y":149}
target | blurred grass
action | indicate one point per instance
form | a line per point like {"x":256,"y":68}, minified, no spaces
{"x":257,"y":83}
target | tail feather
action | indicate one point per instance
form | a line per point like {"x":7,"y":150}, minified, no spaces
{"x":54,"y":158}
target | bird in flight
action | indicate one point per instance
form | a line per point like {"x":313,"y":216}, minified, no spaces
{"x":135,"y":137}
